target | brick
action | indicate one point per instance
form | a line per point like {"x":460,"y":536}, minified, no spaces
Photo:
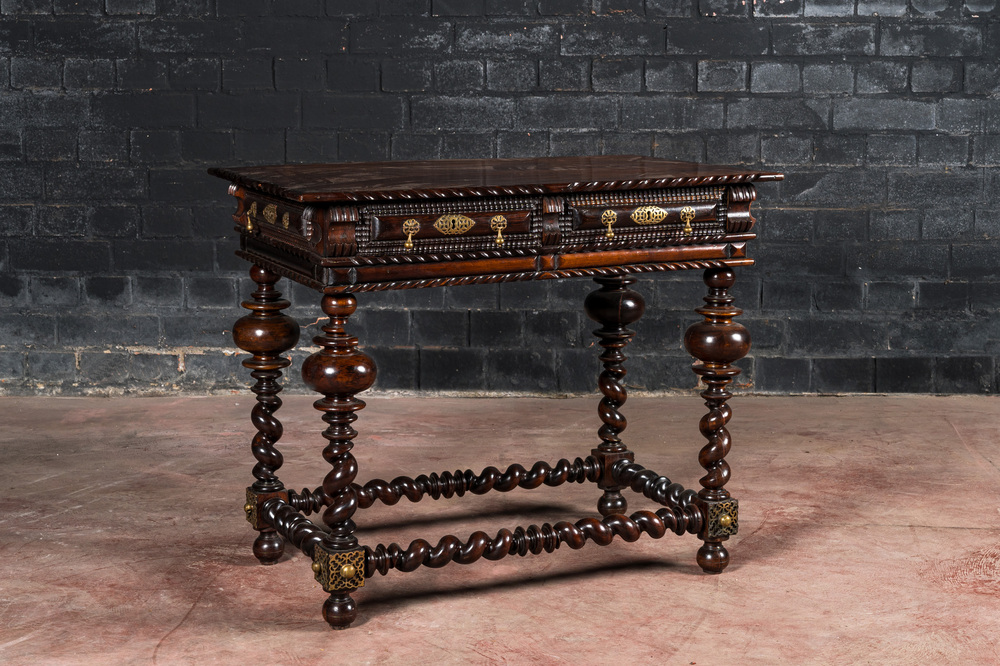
{"x":521,"y":370}
{"x":904,"y":375}
{"x":104,"y":369}
{"x":511,"y":75}
{"x":657,"y":112}
{"x":882,"y":114}
{"x":11,"y":365}
{"x":10,"y":146}
{"x":670,"y":76}
{"x":960,"y":115}
{"x":100,"y":146}
{"x":617,"y":75}
{"x":35,"y":73}
{"x":734,"y":149}
{"x":928,"y":40}
{"x":895,"y":225}
{"x":494,"y":330}
{"x":778,"y":8}
{"x":213,"y":370}
{"x":65,"y":221}
{"x":162,"y":255}
{"x":457,"y":7}
{"x":986,"y":150}
{"x":782,"y":375}
{"x":130,"y":7}
{"x":618,"y":143}
{"x":404,"y":7}
{"x":943,"y":150}
{"x":383,"y":36}
{"x":54,"y":291}
{"x":786,"y":149}
{"x":158,"y":291}
{"x":407,"y":75}
{"x":843,"y":375}
{"x":670,"y":8}
{"x":473,"y":297}
{"x":564,"y":7}
{"x":825,"y":187}
{"x":14,"y":7}
{"x":50,"y":366}
{"x":574,"y":143}
{"x":827,"y":8}
{"x":362,"y":146}
{"x":775,"y":77}
{"x":838,"y":150}
{"x":964,"y":374}
{"x":346,"y":74}
{"x":20,"y":183}
{"x":973,"y":261}
{"x":506,"y":37}
{"x":28,"y":329}
{"x":824,"y":335}
{"x":799,"y":259}
{"x":943,"y":295}
{"x":93,"y":74}
{"x":413,"y":146}
{"x":467,"y":145}
{"x":195,"y":8}
{"x":823,"y":39}
{"x":83,"y":330}
{"x":882,"y":7}
{"x":957,"y":187}
{"x":723,"y":8}
{"x":705,"y":38}
{"x":45,"y":145}
{"x":839,"y":224}
{"x":892,"y":259}
{"x":459,"y":76}
{"x":213,"y":146}
{"x":153,"y":368}
{"x":890,"y":296}
{"x":107,"y":291}
{"x":269,"y":110}
{"x":838,"y":296}
{"x":509,"y":7}
{"x":891,"y":149}
{"x":980,"y":78}
{"x":259,"y":146}
{"x":352,"y":111}
{"x":928,"y":7}
{"x":722,"y":76}
{"x":787,"y":224}
{"x":15,"y":36}
{"x":114,"y":221}
{"x":569,"y":113}
{"x":301,"y":8}
{"x":779,"y":295}
{"x":141,"y":75}
{"x":522,"y":144}
{"x":619,"y":7}
{"x":779,"y":114}
{"x":611,"y":38}
{"x":148,"y":111}
{"x":16,"y":220}
{"x":452,"y":369}
{"x":928,"y":76}
{"x":687,"y":147}
{"x":311,"y":147}
{"x":261,"y":74}
{"x":108,"y":38}
{"x":882,"y":77}
{"x":193,"y":37}
{"x":397,"y":368}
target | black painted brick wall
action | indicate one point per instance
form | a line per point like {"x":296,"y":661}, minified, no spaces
{"x":878,"y":256}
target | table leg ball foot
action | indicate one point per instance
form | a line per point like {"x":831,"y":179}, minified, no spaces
{"x":713,"y":557}
{"x":339,"y":610}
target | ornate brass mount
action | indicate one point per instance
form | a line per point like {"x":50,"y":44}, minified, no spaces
{"x":410,"y":227}
{"x":254,"y":501}
{"x":687,"y":215}
{"x":721,"y":518}
{"x":608,"y":218}
{"x":339,"y":571}
{"x":453,"y":224}
{"x":644,"y":215}
{"x":269,"y":213}
{"x":498,"y":223}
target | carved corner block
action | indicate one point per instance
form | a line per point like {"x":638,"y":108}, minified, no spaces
{"x":608,"y":460}
{"x":339,"y":571}
{"x":256,"y":500}
{"x":721,"y":518}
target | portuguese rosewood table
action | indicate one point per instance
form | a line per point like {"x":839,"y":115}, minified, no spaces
{"x":349,"y":228}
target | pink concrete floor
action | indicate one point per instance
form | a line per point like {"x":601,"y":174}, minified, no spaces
{"x":868,"y":535}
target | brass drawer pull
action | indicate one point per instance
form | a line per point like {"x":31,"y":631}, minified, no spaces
{"x":410,"y":227}
{"x":498,"y":223}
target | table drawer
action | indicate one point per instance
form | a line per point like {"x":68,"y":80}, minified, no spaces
{"x":449,"y":226}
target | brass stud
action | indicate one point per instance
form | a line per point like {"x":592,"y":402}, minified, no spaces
{"x":317,"y":567}
{"x":248,"y":507}
{"x":725,"y":520}
{"x":347,"y":571}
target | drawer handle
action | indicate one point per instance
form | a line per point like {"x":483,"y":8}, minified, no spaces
{"x":687,"y":214}
{"x":608,"y":218}
{"x":410,"y":227}
{"x":498,"y":223}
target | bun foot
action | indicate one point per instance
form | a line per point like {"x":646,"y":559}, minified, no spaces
{"x":268,"y":547}
{"x":612,"y":503}
{"x":713,"y":557}
{"x":340,"y":610}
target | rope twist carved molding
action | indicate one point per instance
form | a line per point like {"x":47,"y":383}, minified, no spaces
{"x":546,"y":538}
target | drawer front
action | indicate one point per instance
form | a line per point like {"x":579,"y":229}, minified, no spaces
{"x":653,"y":217}
{"x":449,"y":226}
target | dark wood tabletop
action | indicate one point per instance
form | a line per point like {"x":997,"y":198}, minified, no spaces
{"x":425,"y":179}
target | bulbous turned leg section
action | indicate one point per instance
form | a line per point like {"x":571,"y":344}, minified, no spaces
{"x":717,"y":342}
{"x":266,"y":333}
{"x":614,"y":306}
{"x":339,"y":371}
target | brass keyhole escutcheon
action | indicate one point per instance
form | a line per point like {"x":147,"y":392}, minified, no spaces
{"x":608,"y":218}
{"x":498,"y":223}
{"x":687,"y":215}
{"x":410,"y":227}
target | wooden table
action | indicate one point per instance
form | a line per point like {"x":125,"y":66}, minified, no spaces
{"x":349,"y":228}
